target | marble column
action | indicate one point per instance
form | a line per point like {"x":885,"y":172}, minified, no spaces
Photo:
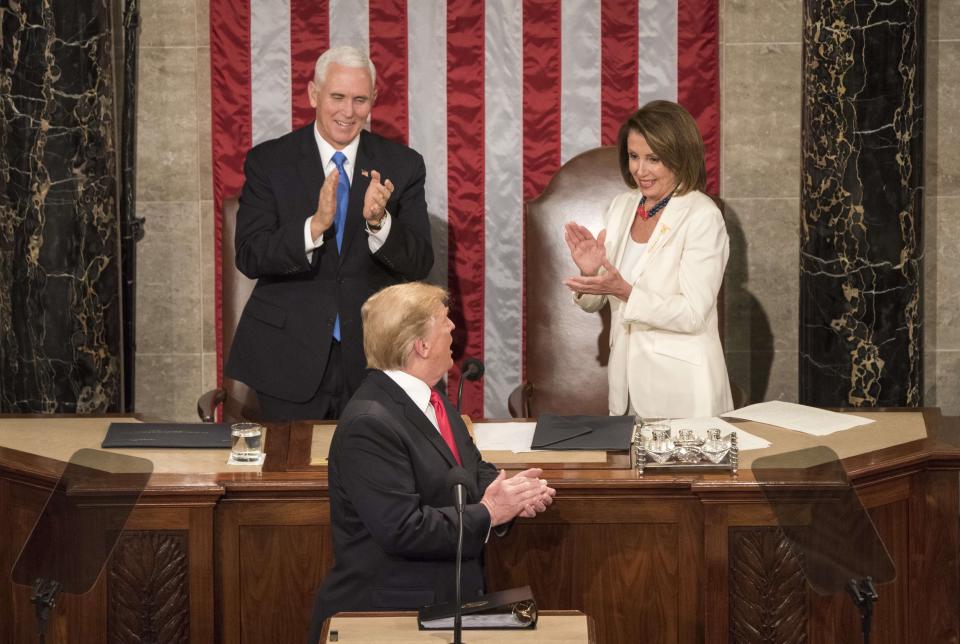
{"x":861,"y":319}
{"x":60,"y":341}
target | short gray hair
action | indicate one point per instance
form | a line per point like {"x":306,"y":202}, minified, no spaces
{"x":346,"y":56}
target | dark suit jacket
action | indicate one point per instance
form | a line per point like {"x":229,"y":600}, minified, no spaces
{"x":283,"y":338}
{"x":394,"y":524}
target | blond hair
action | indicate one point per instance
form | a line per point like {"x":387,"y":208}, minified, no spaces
{"x":673,"y":136}
{"x":394,"y":318}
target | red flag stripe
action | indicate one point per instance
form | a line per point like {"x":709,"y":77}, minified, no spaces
{"x":388,"y":51}
{"x":231,"y":123}
{"x":465,"y":170}
{"x":619,"y":46}
{"x":698,"y":80}
{"x":541,"y":107}
{"x":541,"y":94}
{"x":309,"y":37}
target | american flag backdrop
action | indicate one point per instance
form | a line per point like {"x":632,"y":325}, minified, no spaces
{"x":495,"y":94}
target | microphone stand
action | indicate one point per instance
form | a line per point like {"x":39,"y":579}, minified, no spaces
{"x":472,"y":370}
{"x":864,"y":595}
{"x":44,"y":599}
{"x":460,"y":391}
{"x":458,"y":614}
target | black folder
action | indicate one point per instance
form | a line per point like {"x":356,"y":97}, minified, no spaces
{"x":514,"y":608}
{"x":607,"y":433}
{"x":181,"y":435}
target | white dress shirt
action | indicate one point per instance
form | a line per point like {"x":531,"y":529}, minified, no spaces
{"x":418,"y":391}
{"x":375,"y":239}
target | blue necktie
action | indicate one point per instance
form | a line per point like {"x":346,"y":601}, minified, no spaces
{"x":340,"y":219}
{"x":343,"y":196}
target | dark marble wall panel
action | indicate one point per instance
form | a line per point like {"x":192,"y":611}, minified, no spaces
{"x":861,"y":201}
{"x":59,"y":270}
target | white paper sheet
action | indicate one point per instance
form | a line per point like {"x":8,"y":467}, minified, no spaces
{"x":510,"y":437}
{"x":745,"y":440}
{"x":801,"y":418}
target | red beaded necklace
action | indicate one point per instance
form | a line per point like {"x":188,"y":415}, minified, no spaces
{"x":657,"y":207}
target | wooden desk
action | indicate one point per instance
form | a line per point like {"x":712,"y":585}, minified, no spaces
{"x":217,"y":554}
{"x":553,"y":627}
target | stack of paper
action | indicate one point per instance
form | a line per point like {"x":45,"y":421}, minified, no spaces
{"x":506,"y":437}
{"x":801,"y":418}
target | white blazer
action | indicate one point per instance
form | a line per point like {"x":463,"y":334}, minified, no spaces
{"x":664,"y":345}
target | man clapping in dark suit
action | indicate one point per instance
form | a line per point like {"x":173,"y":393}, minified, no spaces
{"x":394,"y":523}
{"x":329,"y":215}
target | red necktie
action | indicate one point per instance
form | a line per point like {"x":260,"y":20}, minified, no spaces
{"x":444,"y":423}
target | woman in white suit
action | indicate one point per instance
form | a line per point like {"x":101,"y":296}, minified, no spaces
{"x":659,"y":263}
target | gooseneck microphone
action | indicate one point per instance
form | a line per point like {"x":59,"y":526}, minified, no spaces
{"x":472,"y":370}
{"x":457,"y":480}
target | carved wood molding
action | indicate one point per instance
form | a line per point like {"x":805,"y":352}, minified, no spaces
{"x":148,"y":589}
{"x":768,"y":592}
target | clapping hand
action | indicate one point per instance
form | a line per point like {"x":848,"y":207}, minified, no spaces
{"x":588,"y":253}
{"x":524,"y":494}
{"x":326,"y":205}
{"x":375,"y":200}
{"x":609,"y":282}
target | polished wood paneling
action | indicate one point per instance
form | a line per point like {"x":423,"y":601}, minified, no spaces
{"x":933,"y":592}
{"x":300,"y":556}
{"x":148,"y":597}
{"x":662,"y":557}
{"x":271,"y":558}
{"x":605,"y":557}
{"x":768,"y":603}
{"x":20,"y":505}
{"x":81,"y":619}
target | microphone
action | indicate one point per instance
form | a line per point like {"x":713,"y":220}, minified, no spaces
{"x":457,"y":480}
{"x":472,"y":370}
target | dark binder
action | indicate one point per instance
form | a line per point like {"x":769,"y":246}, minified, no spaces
{"x":607,"y":433}
{"x":514,"y":608}
{"x":180,"y":435}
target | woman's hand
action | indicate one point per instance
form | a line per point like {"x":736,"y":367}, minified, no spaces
{"x":587,"y":253}
{"x":610,"y":282}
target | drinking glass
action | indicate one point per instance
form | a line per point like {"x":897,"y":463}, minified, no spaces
{"x":246,"y":442}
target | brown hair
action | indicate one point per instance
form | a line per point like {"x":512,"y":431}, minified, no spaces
{"x":673,"y":136}
{"x":394,"y":318}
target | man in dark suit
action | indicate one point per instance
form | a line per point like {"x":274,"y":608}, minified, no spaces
{"x":329,"y":214}
{"x":394,"y":523}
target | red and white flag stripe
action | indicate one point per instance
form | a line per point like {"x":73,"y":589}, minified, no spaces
{"x":495,"y":95}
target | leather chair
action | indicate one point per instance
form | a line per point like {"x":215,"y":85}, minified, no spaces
{"x":567,"y":349}
{"x":238,"y":400}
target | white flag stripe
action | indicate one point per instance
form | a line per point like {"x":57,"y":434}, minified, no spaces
{"x":657,"y":73}
{"x":270,"y":69}
{"x":579,"y":77}
{"x":427,"y":101}
{"x":503,"y":199}
{"x":350,"y":23}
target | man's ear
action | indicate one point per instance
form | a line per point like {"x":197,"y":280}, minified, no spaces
{"x":421,"y":348}
{"x":312,"y":94}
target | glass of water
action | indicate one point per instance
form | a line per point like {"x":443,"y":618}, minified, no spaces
{"x":246,"y":442}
